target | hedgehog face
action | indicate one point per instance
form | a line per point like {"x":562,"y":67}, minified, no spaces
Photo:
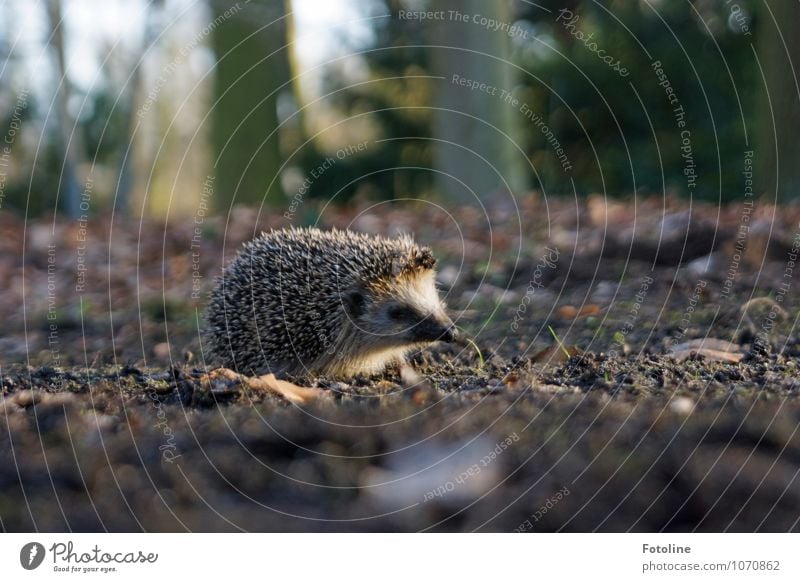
{"x":407,"y":324}
{"x":406,"y":312}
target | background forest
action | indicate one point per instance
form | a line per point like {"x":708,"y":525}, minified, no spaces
{"x":141,"y":103}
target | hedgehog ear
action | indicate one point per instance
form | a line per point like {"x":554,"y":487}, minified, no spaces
{"x":419,"y":260}
{"x":397,"y":265}
{"x":425,"y":258}
{"x":353,"y":302}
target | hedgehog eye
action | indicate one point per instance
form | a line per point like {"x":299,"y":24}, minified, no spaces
{"x":354,"y":303}
{"x":400,"y":313}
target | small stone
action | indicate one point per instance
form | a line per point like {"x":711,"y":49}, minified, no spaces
{"x":682,"y":405}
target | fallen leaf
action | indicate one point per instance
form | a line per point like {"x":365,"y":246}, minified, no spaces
{"x":557,"y":353}
{"x":291,"y":392}
{"x":571,"y":312}
{"x":268,"y":382}
{"x":512,"y":380}
{"x":709,"y":348}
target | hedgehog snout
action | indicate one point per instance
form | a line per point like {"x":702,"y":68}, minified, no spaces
{"x":450,"y":333}
{"x":433,"y":329}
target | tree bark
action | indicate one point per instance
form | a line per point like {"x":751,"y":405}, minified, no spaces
{"x":70,"y":134}
{"x":252,"y":64}
{"x":465,"y":117}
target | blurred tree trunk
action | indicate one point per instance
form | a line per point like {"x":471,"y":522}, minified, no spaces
{"x":476,"y":132}
{"x":777,"y":143}
{"x":134,"y":87}
{"x":252,"y":63}
{"x":171,"y":158}
{"x":69,"y":133}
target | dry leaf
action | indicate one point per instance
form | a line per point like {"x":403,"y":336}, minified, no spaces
{"x":710,"y":348}
{"x":219,"y":374}
{"x":605,"y":213}
{"x":512,"y":380}
{"x":557,"y":354}
{"x":571,"y":312}
{"x":268,"y":382}
{"x":291,"y":392}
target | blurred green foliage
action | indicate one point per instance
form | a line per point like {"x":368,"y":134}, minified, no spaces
{"x":398,"y":97}
{"x":620,"y":133}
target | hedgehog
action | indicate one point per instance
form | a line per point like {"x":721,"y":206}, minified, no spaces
{"x":309,"y":302}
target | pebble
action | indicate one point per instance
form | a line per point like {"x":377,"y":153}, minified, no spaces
{"x":682,"y":405}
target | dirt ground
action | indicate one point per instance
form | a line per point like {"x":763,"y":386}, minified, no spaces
{"x":635,"y":367}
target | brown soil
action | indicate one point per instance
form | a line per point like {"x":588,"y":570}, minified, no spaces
{"x":632,"y":433}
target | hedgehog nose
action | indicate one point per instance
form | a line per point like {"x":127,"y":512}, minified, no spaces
{"x":434,"y":329}
{"x":450,"y":333}
{"x":448,"y":330}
